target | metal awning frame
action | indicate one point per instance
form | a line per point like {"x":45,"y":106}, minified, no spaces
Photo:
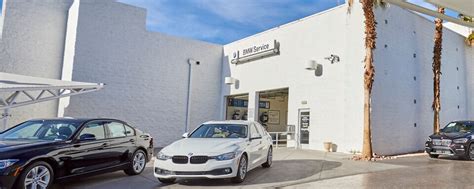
{"x":429,"y":12}
{"x":45,"y":93}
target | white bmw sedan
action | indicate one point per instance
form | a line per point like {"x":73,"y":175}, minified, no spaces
{"x":217,"y":149}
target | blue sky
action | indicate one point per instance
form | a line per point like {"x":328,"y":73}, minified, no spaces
{"x":224,"y":21}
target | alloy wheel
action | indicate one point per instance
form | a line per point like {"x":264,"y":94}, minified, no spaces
{"x":37,"y":178}
{"x":243,"y":167}
{"x":139,"y":162}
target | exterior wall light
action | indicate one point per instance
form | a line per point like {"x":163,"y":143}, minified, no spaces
{"x":312,"y":65}
{"x":229,"y":80}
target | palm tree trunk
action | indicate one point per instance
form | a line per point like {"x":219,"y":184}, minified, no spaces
{"x":438,"y":42}
{"x":369,"y":73}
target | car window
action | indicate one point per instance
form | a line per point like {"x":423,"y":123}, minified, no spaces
{"x":42,"y":130}
{"x":96,"y":129}
{"x":260,"y":129}
{"x":116,"y":130}
{"x":220,"y":131}
{"x":30,"y":131}
{"x":129,"y":131}
{"x":254,"y":132}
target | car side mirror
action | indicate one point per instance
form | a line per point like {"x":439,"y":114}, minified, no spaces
{"x":185,"y":135}
{"x":87,"y":137}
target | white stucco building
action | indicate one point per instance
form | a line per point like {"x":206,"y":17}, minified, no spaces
{"x":163,"y":84}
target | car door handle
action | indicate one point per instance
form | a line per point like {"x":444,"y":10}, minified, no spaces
{"x":132,"y":140}
{"x":104,"y":145}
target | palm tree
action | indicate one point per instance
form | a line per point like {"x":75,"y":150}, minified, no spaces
{"x":369,"y":73}
{"x":438,"y":42}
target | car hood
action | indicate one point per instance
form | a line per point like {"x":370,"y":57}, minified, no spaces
{"x":203,"y":146}
{"x":7,"y":145}
{"x":453,"y":135}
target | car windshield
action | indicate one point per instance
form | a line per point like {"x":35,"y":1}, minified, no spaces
{"x":457,"y":127}
{"x":220,"y":131}
{"x":42,"y":130}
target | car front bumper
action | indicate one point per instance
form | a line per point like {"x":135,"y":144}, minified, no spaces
{"x":451,"y":150}
{"x":212,"y":169}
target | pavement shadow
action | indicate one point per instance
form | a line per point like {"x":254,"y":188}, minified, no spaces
{"x":281,"y":171}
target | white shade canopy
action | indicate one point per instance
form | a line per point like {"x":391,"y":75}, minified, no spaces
{"x":465,"y":7}
{"x":20,"y":90}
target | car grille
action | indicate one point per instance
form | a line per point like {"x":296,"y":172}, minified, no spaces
{"x":443,"y":142}
{"x":180,"y":159}
{"x":198,"y":159}
{"x":190,"y":173}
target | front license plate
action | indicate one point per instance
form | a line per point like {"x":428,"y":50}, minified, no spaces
{"x":443,"y":152}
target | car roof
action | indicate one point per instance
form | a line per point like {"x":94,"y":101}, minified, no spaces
{"x":245,"y":122}
{"x":74,"y":119}
{"x":464,"y":121}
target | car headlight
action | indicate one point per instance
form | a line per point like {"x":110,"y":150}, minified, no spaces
{"x":162,"y":156}
{"x":7,"y":163}
{"x":226,"y":156}
{"x":460,"y":140}
{"x":429,"y":139}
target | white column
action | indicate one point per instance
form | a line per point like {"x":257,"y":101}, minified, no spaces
{"x":69,"y":51}
{"x":252,"y":111}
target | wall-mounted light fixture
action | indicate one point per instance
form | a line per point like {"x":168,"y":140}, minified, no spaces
{"x":333,"y":58}
{"x":229,"y":80}
{"x":312,"y":65}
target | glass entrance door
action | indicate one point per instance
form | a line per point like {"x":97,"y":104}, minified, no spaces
{"x":304,"y":125}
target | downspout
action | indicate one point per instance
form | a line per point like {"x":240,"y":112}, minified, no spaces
{"x":5,"y":116}
{"x":188,"y":101}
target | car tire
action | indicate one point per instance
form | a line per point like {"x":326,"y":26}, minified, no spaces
{"x":137,"y":163}
{"x":470,"y":150}
{"x":241,"y":170}
{"x":167,"y":181}
{"x":38,"y":173}
{"x":434,"y":156}
{"x":269,"y":161}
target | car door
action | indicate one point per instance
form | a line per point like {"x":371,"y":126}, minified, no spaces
{"x":255,"y":146}
{"x":266,"y":141}
{"x":88,"y":152}
{"x":120,"y":145}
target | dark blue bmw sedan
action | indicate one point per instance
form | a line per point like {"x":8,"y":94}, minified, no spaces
{"x":36,"y":153}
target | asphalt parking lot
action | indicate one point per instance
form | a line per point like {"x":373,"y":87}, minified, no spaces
{"x":311,"y":169}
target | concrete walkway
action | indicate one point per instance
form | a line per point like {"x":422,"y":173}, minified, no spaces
{"x":291,"y":168}
{"x":417,"y":172}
